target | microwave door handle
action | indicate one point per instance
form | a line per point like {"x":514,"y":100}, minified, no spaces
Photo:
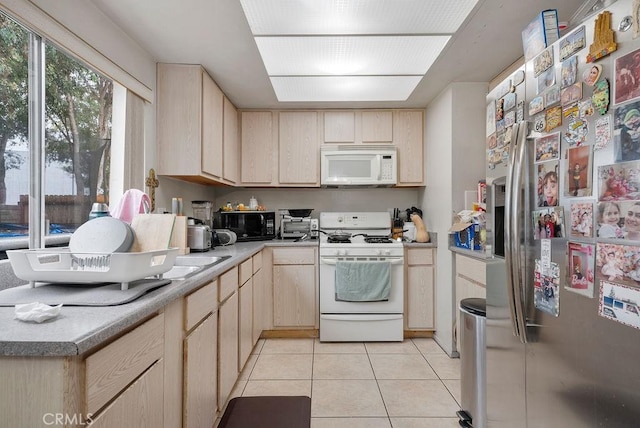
{"x":378,"y":172}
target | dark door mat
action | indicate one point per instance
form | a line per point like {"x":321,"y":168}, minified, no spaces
{"x":109,"y":294}
{"x":267,"y":412}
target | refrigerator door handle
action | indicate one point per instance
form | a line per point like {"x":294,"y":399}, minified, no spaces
{"x":513,"y":220}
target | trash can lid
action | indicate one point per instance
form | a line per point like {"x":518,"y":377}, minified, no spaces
{"x":475,"y":306}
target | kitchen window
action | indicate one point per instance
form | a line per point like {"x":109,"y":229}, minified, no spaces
{"x":55,"y":138}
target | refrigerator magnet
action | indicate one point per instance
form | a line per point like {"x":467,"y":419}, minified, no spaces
{"x":582,"y":220}
{"x":627,"y":132}
{"x":553,"y":116}
{"x":619,"y":303}
{"x":592,"y":74}
{"x":543,"y":62}
{"x":580,"y":269}
{"x":540,"y":122}
{"x":602,"y":132}
{"x":571,"y":94}
{"x":578,"y":180}
{"x":546,"y":289}
{"x":572,"y":43}
{"x":626,"y":68}
{"x":600,"y":96}
{"x":552,"y":96}
{"x":536,"y":105}
{"x":569,"y":71}
{"x":547,"y":147}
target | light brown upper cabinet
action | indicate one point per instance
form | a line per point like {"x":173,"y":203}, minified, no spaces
{"x":408,"y":137}
{"x":258,"y":148}
{"x":339,"y":127}
{"x":192,"y":140}
{"x":231,"y":151}
{"x":299,"y":154}
{"x":377,"y":126}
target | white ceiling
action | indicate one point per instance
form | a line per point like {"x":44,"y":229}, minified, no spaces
{"x":215,"y":33}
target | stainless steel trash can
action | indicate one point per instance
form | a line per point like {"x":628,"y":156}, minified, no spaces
{"x":473,"y":371}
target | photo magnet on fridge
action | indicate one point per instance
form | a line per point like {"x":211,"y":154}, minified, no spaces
{"x":619,"y":182}
{"x":627,"y":74}
{"x":619,"y":220}
{"x":578,"y":179}
{"x":581,"y":219}
{"x":546,"y":291}
{"x":548,"y":223}
{"x":548,"y":184}
{"x":619,"y":303}
{"x":580,"y":269}
{"x":627,"y":132}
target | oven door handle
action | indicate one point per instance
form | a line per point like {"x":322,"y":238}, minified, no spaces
{"x":361,"y":317}
{"x":332,"y":262}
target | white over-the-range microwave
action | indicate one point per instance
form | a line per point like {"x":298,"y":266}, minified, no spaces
{"x":372,"y":166}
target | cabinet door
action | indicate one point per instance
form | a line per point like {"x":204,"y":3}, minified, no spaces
{"x":179,"y":114}
{"x":230,"y":142}
{"x":298,"y":148}
{"x":258,"y":149}
{"x":377,"y":126}
{"x":140,"y":405}
{"x":227,"y":348}
{"x":200,"y":374}
{"x":212,"y":112}
{"x":420,"y":297}
{"x":294,"y":296}
{"x":409,"y":140}
{"x":339,"y":127}
{"x":245,"y":319}
{"x":258,"y":304}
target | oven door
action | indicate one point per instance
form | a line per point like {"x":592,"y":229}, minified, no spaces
{"x":330,"y":305}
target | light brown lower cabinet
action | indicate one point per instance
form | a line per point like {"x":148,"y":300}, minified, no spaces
{"x":227,"y":347}
{"x":200,"y":374}
{"x":420,"y":289}
{"x":139,"y":405}
{"x":245,"y":320}
{"x":295,"y":287}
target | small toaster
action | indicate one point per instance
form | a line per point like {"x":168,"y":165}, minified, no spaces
{"x":199,"y":237}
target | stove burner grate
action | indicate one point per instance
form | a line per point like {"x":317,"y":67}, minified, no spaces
{"x":378,"y":240}
{"x":334,"y":240}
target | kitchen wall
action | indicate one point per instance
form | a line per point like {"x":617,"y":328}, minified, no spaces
{"x":455,"y":153}
{"x":382,"y":199}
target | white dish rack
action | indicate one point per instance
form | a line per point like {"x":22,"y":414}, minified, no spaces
{"x":59,"y":265}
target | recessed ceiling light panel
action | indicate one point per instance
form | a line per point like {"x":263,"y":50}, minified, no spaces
{"x":281,"y":17}
{"x":344,"y":88}
{"x":360,"y":55}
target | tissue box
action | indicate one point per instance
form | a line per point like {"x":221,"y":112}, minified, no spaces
{"x":468,"y":236}
{"x":468,"y":229}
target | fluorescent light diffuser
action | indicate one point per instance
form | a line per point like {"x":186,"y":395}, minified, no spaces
{"x":344,"y":88}
{"x":360,"y":55}
{"x":269,"y":17}
{"x":351,"y":50}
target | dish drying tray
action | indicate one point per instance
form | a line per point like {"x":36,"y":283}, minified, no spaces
{"x":61,"y":266}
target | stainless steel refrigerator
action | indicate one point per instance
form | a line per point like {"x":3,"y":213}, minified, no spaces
{"x":563,"y":343}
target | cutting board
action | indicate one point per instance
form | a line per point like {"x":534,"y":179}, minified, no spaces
{"x":152,"y":231}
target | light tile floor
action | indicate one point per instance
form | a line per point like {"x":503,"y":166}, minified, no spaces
{"x":412,"y":384}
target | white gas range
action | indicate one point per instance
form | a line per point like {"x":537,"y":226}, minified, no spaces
{"x":361,"y":278}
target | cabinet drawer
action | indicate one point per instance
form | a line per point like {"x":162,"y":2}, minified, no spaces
{"x":246,"y":271}
{"x":420,"y":256}
{"x":115,"y":366}
{"x":294,"y":256}
{"x":228,"y":283}
{"x":471,"y":268}
{"x":141,"y":402}
{"x":199,"y":304}
{"x":257,"y":262}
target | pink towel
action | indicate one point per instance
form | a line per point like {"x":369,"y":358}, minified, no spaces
{"x":133,"y":202}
